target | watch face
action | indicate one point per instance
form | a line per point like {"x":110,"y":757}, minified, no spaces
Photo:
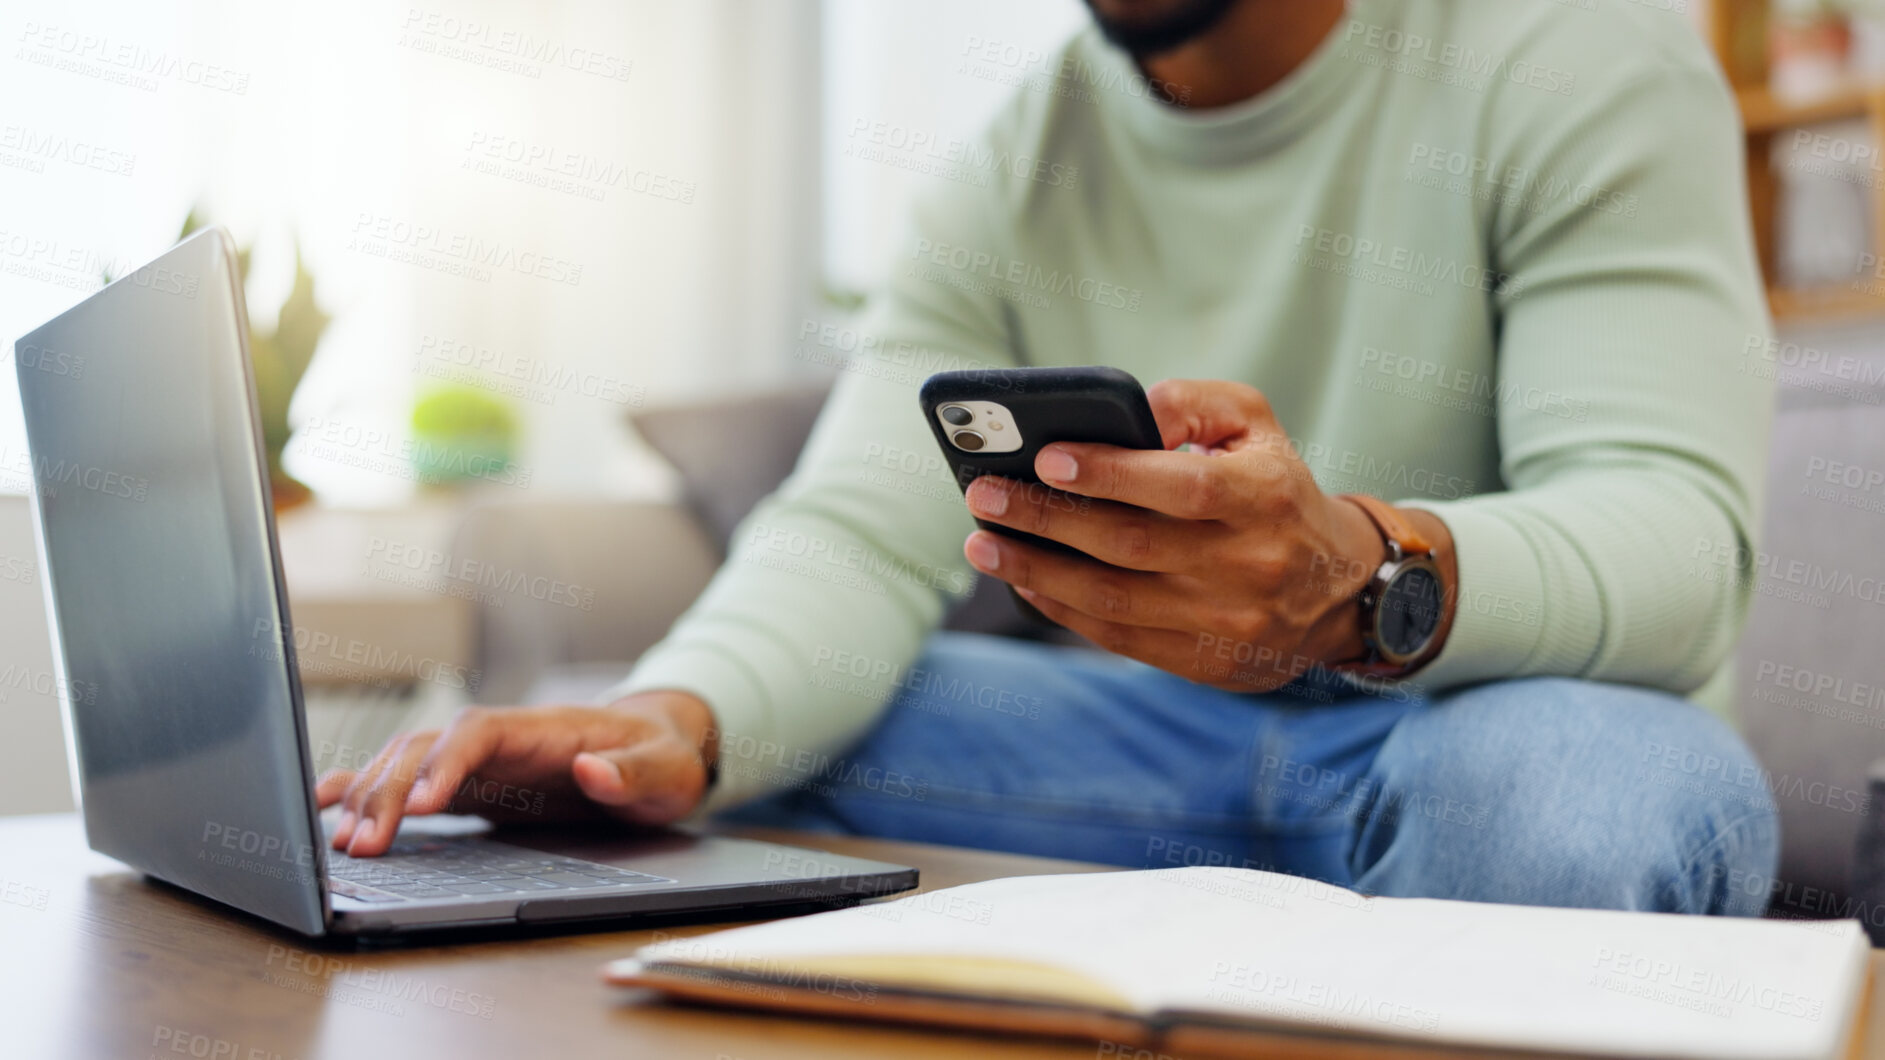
{"x":1409,"y":611}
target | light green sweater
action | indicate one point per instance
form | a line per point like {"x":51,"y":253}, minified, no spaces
{"x":1488,"y":257}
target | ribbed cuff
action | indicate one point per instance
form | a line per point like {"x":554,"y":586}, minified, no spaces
{"x":730,"y":690}
{"x":1499,"y":617}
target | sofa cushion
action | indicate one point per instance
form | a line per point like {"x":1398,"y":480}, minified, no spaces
{"x":1811,"y":672}
{"x":731,"y":453}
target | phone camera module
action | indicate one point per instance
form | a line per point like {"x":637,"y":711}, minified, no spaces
{"x":984,"y":427}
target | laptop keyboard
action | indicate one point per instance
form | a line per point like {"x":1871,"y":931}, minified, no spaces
{"x":451,"y":867}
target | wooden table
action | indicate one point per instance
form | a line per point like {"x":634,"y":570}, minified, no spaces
{"x":97,"y":962}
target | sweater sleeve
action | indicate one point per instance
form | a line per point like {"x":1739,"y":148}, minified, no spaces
{"x":1618,"y":550}
{"x":833,"y":583}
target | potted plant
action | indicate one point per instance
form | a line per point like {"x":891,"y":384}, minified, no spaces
{"x":280,"y":357}
{"x":461,"y":434}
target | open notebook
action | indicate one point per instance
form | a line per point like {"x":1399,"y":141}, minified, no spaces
{"x":1217,"y":961}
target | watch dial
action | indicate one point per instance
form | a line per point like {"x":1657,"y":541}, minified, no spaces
{"x":1409,"y":611}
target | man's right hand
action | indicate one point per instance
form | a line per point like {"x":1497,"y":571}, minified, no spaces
{"x":642,"y":759}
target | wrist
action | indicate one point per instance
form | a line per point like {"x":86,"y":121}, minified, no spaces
{"x":687,"y":714}
{"x":1339,"y":637}
{"x":1387,"y":597}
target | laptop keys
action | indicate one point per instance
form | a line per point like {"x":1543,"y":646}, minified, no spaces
{"x":443,"y":868}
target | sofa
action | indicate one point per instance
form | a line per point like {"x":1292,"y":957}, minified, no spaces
{"x":1811,"y":666}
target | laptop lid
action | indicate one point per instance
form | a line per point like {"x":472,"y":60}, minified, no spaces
{"x":180,"y":693}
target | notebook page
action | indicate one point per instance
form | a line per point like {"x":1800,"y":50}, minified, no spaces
{"x":1583,"y":981}
{"x":1135,"y":932}
{"x":1259,"y":946}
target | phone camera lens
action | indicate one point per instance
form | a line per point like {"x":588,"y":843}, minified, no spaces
{"x":957,"y":415}
{"x":968,"y":440}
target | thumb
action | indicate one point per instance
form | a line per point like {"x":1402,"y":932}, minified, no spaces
{"x":653,"y":782}
{"x":1208,"y":413}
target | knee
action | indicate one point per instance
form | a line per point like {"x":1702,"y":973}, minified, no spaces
{"x":1563,"y":792}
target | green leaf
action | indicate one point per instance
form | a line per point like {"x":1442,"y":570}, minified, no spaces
{"x":300,"y":324}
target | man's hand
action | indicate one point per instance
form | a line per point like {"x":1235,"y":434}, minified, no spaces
{"x":642,"y":759}
{"x":1225,"y":564}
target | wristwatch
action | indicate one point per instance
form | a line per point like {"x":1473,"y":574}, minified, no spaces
{"x":1404,"y":600}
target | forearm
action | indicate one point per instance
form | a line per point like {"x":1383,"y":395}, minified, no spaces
{"x":828,"y":592}
{"x":791,"y":663}
{"x":1595,"y":576}
{"x":1586,"y":564}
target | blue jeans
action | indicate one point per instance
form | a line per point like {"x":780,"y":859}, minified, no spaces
{"x":1543,"y":791}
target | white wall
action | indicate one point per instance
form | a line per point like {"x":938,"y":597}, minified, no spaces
{"x":351,"y":123}
{"x":930,"y":69}
{"x":33,"y":777}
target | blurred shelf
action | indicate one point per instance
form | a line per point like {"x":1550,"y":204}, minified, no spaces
{"x":1827,"y":303}
{"x":1764,"y":117}
{"x":1764,"y":112}
{"x":1740,"y":32}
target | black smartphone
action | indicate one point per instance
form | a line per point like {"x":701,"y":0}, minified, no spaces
{"x":995,"y":421}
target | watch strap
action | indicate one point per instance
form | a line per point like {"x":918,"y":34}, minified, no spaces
{"x":1392,"y":524}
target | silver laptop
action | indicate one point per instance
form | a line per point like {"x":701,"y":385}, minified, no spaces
{"x":181,"y":697}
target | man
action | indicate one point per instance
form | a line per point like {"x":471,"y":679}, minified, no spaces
{"x":1487,"y":261}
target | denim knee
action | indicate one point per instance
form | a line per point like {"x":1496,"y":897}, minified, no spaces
{"x":1553,"y":791}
